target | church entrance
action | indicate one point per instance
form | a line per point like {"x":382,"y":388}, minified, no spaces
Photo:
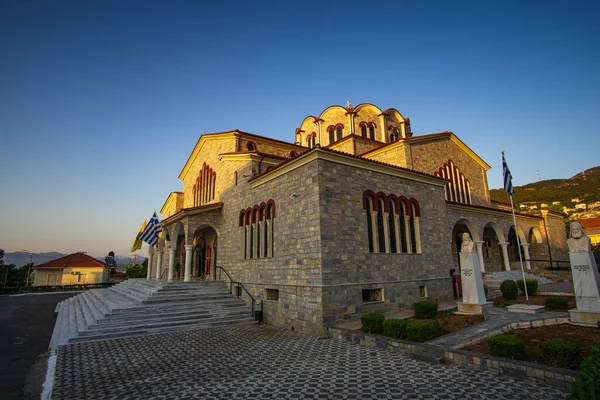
{"x":205,"y":242}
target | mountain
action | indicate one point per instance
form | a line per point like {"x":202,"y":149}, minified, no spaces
{"x":584,"y":186}
{"x":20,"y":258}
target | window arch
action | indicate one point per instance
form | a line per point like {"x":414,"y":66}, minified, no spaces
{"x":458,"y":187}
{"x":395,"y":135}
{"x":331,"y":131}
{"x":392,"y":223}
{"x":372,"y":131}
{"x":339,"y":131}
{"x":251,"y":146}
{"x":293,"y":154}
{"x":205,"y":187}
{"x":363,"y":129}
{"x":256,"y":230}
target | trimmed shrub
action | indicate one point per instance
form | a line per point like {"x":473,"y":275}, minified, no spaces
{"x":587,"y":384}
{"x":509,"y":289}
{"x":485,"y":289}
{"x":420,"y":331}
{"x":372,"y":322}
{"x":556,"y":303}
{"x":507,"y":346}
{"x":395,"y":328}
{"x":560,"y":353}
{"x":532,"y":286}
{"x":425,"y":309}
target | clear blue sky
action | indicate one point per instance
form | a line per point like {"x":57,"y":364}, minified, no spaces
{"x":101,"y":102}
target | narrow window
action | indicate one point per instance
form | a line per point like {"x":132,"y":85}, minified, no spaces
{"x":251,"y":146}
{"x":413,"y":235}
{"x":380,"y":228}
{"x":363,"y":130}
{"x":402,"y":225}
{"x":422,"y":291}
{"x":331,"y":135}
{"x":339,"y":132}
{"x":372,"y":132}
{"x":314,"y":140}
{"x":251,"y":229}
{"x":258,"y":235}
{"x":392,"y":224}
{"x":235,"y":177}
{"x":370,"y":224}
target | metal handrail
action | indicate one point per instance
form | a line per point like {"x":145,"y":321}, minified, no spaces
{"x":239,"y":284}
{"x":163,"y":273}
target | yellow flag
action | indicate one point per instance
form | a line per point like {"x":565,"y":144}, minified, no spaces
{"x":137,"y":244}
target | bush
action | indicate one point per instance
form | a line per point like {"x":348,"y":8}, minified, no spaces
{"x":509,"y":289}
{"x":420,"y":331}
{"x":372,"y":322}
{"x":485,"y":290}
{"x":532,"y":286}
{"x":507,"y":346}
{"x":556,"y":303}
{"x":395,"y":328}
{"x":425,"y":309}
{"x":560,"y":353}
{"x":587,"y":384}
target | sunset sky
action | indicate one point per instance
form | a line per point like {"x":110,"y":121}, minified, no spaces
{"x":101,"y":102}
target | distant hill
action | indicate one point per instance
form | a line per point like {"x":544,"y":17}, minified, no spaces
{"x":20,"y":258}
{"x":587,"y":190}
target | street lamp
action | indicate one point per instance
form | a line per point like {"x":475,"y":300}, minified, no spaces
{"x":29,"y":268}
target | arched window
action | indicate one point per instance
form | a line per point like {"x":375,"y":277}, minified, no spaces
{"x":331,"y":132}
{"x":293,"y":154}
{"x":206,"y":184}
{"x":381,"y":226}
{"x":314,"y":139}
{"x":402,"y":224}
{"x":363,"y":129}
{"x":338,"y":130}
{"x":392,"y":226}
{"x":370,"y":222}
{"x":458,"y":187}
{"x":308,"y":142}
{"x":372,"y":131}
{"x":250,"y":146}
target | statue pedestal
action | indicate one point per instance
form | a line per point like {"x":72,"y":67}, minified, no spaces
{"x":474,"y":301}
{"x":586,"y":281}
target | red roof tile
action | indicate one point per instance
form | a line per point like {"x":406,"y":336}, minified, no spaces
{"x":590,"y":223}
{"x":75,"y":260}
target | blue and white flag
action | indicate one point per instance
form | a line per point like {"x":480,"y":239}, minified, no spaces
{"x":508,"y":187}
{"x":150,"y":234}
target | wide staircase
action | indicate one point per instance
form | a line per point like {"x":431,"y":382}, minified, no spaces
{"x":140,"y":307}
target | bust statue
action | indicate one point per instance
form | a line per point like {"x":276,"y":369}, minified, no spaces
{"x":468,"y":246}
{"x":578,"y":241}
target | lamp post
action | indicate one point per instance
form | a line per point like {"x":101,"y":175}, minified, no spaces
{"x":28,"y":268}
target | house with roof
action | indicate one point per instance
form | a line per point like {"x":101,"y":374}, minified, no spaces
{"x":74,"y":269}
{"x":591,"y":226}
{"x":355,"y":214}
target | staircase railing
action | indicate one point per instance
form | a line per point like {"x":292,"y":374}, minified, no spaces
{"x":164,"y":273}
{"x":239,"y":284}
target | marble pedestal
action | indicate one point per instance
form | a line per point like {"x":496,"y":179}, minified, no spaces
{"x":474,"y":301}
{"x":586,"y":281}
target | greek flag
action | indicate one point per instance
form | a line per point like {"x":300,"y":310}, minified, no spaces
{"x":508,"y":187}
{"x":150,"y":234}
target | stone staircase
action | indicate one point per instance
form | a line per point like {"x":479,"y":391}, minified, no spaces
{"x":494,"y":279}
{"x":140,"y":307}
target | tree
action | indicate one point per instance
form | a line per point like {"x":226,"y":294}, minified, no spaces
{"x":11,"y":276}
{"x":136,"y":271}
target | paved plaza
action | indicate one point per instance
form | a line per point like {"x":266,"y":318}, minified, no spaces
{"x":264,"y":362}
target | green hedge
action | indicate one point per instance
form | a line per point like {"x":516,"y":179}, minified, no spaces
{"x":587,"y":384}
{"x":420,"y":331}
{"x":556,"y":303}
{"x":532,"y":286}
{"x":425,"y":309}
{"x":509,"y":289}
{"x":395,"y":328}
{"x":507,"y":346}
{"x":372,"y":322}
{"x":560,"y":353}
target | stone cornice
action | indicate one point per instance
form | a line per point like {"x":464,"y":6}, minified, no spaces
{"x":187,"y":212}
{"x":346,"y":159}
{"x":488,"y":210}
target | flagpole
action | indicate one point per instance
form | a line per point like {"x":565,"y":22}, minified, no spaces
{"x":519,"y":244}
{"x":509,"y":189}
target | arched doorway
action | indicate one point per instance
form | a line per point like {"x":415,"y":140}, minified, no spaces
{"x":205,"y":244}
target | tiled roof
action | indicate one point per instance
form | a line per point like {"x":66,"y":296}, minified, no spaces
{"x":75,"y":260}
{"x":590,"y":223}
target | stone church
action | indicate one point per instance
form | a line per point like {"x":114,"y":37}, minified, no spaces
{"x":356,"y":214}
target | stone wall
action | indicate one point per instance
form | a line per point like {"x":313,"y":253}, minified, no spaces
{"x":349,"y":267}
{"x":429,"y":156}
{"x":558,"y":235}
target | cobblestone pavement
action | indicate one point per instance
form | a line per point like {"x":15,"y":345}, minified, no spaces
{"x":558,"y":287}
{"x":265,"y":362}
